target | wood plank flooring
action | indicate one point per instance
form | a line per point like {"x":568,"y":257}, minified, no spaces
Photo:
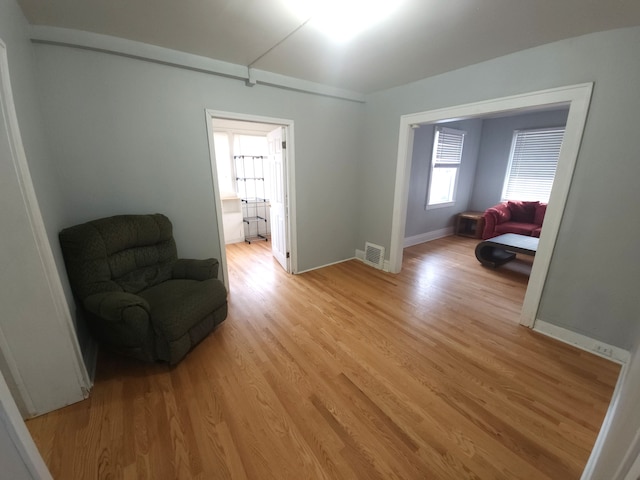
{"x":347,"y":372}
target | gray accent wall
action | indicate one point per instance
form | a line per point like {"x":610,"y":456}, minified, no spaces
{"x":129,"y":136}
{"x":592,"y":283}
{"x":419,"y":220}
{"x":495,"y":148}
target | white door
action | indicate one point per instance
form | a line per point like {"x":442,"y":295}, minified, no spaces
{"x":278,"y":198}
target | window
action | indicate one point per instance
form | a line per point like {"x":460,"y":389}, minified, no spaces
{"x":226,"y":145}
{"x":222,"y":148}
{"x":250,"y":145}
{"x":445,"y":164}
{"x":532,"y":164}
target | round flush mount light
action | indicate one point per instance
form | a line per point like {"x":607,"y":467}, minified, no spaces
{"x":341,"y":20}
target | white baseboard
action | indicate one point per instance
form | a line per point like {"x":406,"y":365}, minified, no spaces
{"x":91,"y":360}
{"x":601,"y":440}
{"x":360,"y":256}
{"x":428,"y":236}
{"x":583,"y":342}
{"x":229,"y":241}
{"x":322,"y":266}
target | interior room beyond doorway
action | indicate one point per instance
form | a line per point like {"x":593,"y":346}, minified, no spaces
{"x":241,"y":151}
{"x":250,"y":163}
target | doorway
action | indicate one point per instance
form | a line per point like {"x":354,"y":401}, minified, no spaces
{"x":252,"y":164}
{"x":577,"y":97}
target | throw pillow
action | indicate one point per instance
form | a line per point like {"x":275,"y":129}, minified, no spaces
{"x":523,"y":212}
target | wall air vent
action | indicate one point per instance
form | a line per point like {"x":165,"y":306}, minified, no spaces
{"x":374,"y":255}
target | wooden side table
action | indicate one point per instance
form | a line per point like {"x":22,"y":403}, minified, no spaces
{"x":470,"y":224}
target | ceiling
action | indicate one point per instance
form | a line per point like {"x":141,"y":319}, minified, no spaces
{"x":420,"y":39}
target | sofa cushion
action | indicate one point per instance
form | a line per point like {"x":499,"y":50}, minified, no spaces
{"x":523,"y":212}
{"x":146,"y":277}
{"x":122,"y":232}
{"x":178,"y":305}
{"x":536,"y":232}
{"x":516,"y":227}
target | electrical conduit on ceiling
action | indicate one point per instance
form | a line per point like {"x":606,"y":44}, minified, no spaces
{"x":165,"y":56}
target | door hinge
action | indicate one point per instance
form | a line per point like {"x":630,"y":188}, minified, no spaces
{"x":284,"y":144}
{"x":288,"y":254}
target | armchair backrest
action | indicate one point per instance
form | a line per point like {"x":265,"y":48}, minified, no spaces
{"x":121,"y":253}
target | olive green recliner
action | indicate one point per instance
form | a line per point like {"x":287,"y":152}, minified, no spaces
{"x":139,"y":298}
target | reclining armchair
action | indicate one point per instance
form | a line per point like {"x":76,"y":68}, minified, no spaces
{"x":139,"y":299}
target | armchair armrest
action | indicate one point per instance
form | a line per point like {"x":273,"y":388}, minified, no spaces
{"x":489,"y":225}
{"x":187,"y":268}
{"x":501,"y":212}
{"x":495,"y":216}
{"x":118,"y":306}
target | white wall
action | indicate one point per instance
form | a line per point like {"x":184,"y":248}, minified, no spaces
{"x":592,"y":282}
{"x":12,"y":465}
{"x":35,"y":322}
{"x":14,"y":31}
{"x":130,"y":136}
{"x":15,"y":34}
{"x":19,"y":457}
{"x":616,"y":442}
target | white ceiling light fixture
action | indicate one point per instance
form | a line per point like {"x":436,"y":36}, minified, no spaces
{"x":342,"y":20}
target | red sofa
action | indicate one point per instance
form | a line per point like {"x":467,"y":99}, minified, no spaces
{"x":524,"y":218}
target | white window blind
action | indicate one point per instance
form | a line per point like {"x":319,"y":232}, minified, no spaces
{"x":532,"y":164}
{"x":448,"y":145}
{"x":445,"y":163}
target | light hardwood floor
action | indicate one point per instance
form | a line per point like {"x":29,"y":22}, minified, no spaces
{"x":347,"y":372}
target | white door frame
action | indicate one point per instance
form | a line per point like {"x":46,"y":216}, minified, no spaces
{"x":289,"y":179}
{"x":634,"y":471}
{"x":61,"y":314}
{"x":577,"y":97}
{"x":26,"y":451}
{"x":276,"y":140}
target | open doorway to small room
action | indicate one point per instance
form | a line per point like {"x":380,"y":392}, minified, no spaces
{"x":461,"y":168}
{"x":252,"y":172}
{"x":577,"y":99}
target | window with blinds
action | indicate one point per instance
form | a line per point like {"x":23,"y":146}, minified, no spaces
{"x":445,"y":164}
{"x":532,"y":164}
